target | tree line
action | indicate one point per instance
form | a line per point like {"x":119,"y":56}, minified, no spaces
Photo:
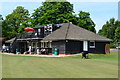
{"x":55,"y":13}
{"x":111,"y":30}
{"x":48,"y":13}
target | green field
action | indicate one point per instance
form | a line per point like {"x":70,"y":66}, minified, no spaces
{"x":98,"y":66}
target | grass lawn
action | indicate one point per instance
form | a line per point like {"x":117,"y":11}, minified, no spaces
{"x":98,"y":66}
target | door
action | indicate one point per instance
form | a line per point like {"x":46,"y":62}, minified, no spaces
{"x":107,"y":49}
{"x":85,"y":45}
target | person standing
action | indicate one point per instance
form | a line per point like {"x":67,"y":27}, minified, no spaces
{"x":84,"y":55}
{"x":3,"y":48}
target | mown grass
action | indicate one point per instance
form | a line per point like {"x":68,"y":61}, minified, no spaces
{"x":98,"y":66}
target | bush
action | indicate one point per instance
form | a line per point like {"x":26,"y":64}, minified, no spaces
{"x":113,"y":45}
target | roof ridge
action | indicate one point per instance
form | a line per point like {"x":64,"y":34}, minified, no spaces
{"x":67,"y":31}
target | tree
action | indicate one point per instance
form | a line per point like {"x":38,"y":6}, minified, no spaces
{"x":85,"y":21}
{"x":103,"y":31}
{"x":110,"y":29}
{"x":117,"y":34}
{"x":49,"y":13}
{"x":13,"y":22}
{"x":53,"y":13}
{"x":61,"y":12}
{"x":1,"y":18}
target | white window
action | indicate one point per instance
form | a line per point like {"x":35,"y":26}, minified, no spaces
{"x":92,"y":44}
{"x":39,"y":30}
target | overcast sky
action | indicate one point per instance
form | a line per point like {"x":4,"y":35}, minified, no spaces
{"x":100,"y":12}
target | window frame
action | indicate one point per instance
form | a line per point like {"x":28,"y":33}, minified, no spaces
{"x":42,"y":44}
{"x":92,"y":46}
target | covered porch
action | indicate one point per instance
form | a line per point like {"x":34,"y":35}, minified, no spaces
{"x":34,"y":46}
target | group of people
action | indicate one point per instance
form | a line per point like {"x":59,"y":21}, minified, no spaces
{"x":41,"y":51}
{"x":5,"y":48}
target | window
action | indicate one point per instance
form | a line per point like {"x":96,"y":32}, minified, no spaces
{"x":92,"y":44}
{"x":46,"y":44}
{"x":42,"y":44}
{"x":39,"y":31}
{"x":50,"y":44}
{"x":48,"y":29}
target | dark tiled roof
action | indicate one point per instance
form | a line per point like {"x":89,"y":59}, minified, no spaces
{"x":69,"y":31}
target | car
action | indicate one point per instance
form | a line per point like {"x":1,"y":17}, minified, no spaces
{"x":118,"y":47}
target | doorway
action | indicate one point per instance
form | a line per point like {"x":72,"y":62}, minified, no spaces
{"x":85,"y":45}
{"x":107,"y":49}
